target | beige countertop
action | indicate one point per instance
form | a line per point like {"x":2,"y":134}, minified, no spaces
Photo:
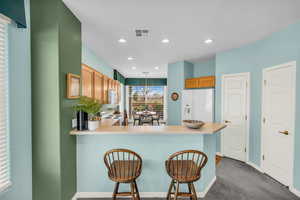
{"x":108,"y":128}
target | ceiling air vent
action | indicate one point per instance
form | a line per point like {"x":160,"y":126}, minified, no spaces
{"x":141,"y":32}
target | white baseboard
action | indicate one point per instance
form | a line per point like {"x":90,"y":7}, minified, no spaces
{"x":142,"y":194}
{"x":203,"y":194}
{"x":219,"y":154}
{"x":295,"y":191}
{"x":255,"y":166}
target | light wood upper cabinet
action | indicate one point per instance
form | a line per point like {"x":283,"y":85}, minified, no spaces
{"x":200,"y":82}
{"x":207,"y":81}
{"x":105,"y":90}
{"x":87,"y":75}
{"x":98,"y":87}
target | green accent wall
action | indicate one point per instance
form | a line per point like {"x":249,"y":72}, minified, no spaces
{"x":55,"y":50}
{"x":15,"y":10}
{"x":69,"y":61}
{"x":119,"y":77}
{"x":144,"y":81}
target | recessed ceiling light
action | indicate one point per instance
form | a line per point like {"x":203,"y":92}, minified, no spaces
{"x":157,"y":68}
{"x":133,"y":67}
{"x":208,"y":41}
{"x":122,"y":40}
{"x":130,"y":58}
{"x":165,"y":41}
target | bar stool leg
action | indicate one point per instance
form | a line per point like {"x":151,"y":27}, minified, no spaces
{"x":132,"y":190}
{"x":137,"y":190}
{"x":194,"y":191}
{"x":177,"y":191}
{"x":170,"y":189}
{"x":116,"y":190}
{"x":190,"y":190}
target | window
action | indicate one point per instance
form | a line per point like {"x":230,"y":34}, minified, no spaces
{"x":4,"y":153}
{"x":146,"y":98}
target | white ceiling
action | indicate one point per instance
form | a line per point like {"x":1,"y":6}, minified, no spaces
{"x":230,"y":23}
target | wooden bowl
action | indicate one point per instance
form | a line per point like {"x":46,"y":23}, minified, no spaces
{"x":193,"y":124}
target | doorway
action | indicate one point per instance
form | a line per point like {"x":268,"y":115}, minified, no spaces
{"x":278,"y":121}
{"x":235,"y":114}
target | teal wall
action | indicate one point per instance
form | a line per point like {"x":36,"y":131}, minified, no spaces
{"x":205,"y":68}
{"x":188,"y":70}
{"x":177,"y":73}
{"x":20,"y":112}
{"x":175,"y":85}
{"x":91,"y":59}
{"x":154,"y":150}
{"x":279,"y":48}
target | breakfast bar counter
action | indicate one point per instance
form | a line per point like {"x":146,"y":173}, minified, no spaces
{"x":154,"y":144}
{"x":207,"y":128}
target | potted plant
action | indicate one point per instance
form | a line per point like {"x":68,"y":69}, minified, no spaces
{"x":90,"y":108}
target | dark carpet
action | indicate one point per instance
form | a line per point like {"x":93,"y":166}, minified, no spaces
{"x":238,"y":181}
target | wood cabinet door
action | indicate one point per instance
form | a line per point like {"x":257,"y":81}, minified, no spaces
{"x":87,"y":75}
{"x":206,"y":82}
{"x":110,"y":84}
{"x":98,"y":87}
{"x":201,"y":82}
{"x":189,"y":83}
{"x":105,"y":89}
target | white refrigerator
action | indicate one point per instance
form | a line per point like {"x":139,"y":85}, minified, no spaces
{"x":198,"y":104}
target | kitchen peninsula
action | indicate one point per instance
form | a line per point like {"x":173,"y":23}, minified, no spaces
{"x":154,"y":143}
{"x":108,"y":126}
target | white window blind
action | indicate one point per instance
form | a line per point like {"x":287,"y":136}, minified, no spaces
{"x":4,"y":153}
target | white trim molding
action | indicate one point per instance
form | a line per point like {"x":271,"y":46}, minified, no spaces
{"x":203,"y":194}
{"x":295,"y":191}
{"x":258,"y":168}
{"x":142,"y":194}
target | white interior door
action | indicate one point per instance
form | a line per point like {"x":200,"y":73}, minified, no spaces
{"x":278,"y":121}
{"x":235,"y":107}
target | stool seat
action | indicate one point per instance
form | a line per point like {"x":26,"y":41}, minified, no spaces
{"x":183,"y":170}
{"x":125,"y":171}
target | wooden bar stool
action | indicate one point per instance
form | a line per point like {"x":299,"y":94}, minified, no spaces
{"x":184,"y":167}
{"x":124,"y":166}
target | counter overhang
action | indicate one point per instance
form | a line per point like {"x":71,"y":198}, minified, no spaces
{"x":207,"y":128}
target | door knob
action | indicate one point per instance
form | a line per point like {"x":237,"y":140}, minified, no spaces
{"x":226,"y":121}
{"x":284,"y":132}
